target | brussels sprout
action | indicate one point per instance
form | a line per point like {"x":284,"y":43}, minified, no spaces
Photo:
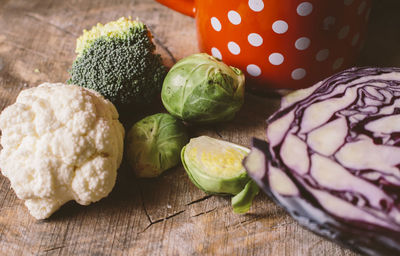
{"x":203,"y":89}
{"x":154,"y":144}
{"x":215,"y":166}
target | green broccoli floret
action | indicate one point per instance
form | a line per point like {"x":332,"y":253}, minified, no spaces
{"x":118,"y":61}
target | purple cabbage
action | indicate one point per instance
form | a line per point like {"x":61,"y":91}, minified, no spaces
{"x":333,"y":159}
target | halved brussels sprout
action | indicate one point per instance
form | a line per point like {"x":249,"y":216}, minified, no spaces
{"x":215,"y":166}
{"x":154,"y":144}
{"x":203,"y":89}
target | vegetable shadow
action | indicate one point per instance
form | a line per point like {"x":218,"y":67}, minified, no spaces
{"x":383,"y":35}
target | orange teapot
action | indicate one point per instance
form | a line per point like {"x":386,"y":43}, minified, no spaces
{"x":280,"y":44}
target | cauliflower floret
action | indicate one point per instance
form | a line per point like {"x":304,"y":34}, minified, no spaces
{"x":60,"y":143}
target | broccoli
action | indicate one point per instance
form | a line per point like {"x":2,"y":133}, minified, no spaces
{"x":119,"y":62}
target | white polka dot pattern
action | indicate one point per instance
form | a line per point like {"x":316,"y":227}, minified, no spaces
{"x":367,"y":14}
{"x":298,"y":73}
{"x":329,"y":22}
{"x":280,"y":27}
{"x":322,"y":55}
{"x":253,"y":70}
{"x":216,"y":24}
{"x":361,"y":7}
{"x":304,"y":9}
{"x":348,"y":2}
{"x":302,"y":43}
{"x":355,"y":39}
{"x":216,"y":53}
{"x":234,"y":17}
{"x":234,"y":48}
{"x":256,"y":5}
{"x":276,"y":59}
{"x":255,"y":39}
{"x":343,"y":32}
{"x":275,"y":53}
{"x":338,"y":63}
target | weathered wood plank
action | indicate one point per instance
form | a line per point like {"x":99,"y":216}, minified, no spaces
{"x":164,"y":216}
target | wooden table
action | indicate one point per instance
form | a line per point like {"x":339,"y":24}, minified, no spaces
{"x":167,"y":215}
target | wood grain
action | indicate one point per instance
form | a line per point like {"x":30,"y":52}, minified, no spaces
{"x":163,"y":216}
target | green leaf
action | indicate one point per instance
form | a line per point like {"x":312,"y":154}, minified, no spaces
{"x":241,"y":202}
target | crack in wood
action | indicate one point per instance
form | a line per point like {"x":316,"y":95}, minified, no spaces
{"x":162,"y":45}
{"x":151,"y":222}
{"x":21,"y":47}
{"x":160,"y":220}
{"x":202,"y":213}
{"x":255,"y":219}
{"x":144,"y":207}
{"x":44,"y":20}
{"x":282,"y":224}
{"x":217,"y":132}
{"x":246,"y":222}
{"x":199,"y":200}
{"x":311,"y":248}
{"x":54,"y":248}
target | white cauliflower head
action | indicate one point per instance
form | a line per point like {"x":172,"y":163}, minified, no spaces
{"x":60,"y":143}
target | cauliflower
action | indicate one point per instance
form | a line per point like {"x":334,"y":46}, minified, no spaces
{"x":60,"y":143}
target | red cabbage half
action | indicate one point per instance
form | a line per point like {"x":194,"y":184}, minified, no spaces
{"x":333,"y":159}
